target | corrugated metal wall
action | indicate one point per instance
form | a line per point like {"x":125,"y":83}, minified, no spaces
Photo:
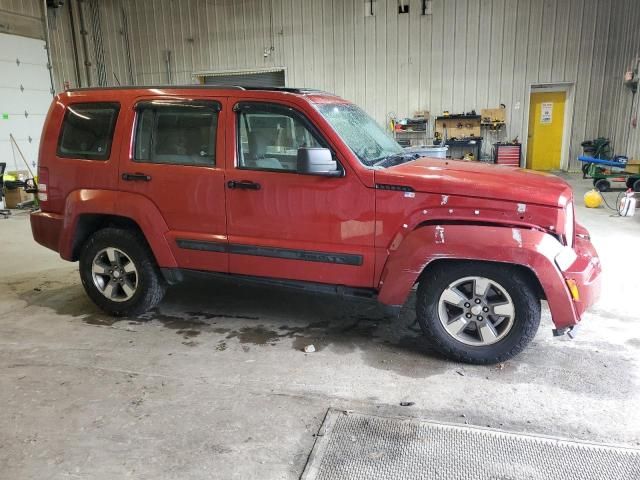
{"x":31,"y":8}
{"x":469,"y":54}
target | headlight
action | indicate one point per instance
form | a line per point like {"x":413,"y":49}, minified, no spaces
{"x":569,"y":224}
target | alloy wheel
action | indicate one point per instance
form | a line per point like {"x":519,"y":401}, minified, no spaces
{"x":114,"y":274}
{"x":476,"y":311}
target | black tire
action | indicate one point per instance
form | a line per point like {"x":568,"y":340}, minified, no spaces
{"x":523,"y":295}
{"x":150,"y":285}
{"x":585,"y":170}
{"x":602,"y":184}
{"x":636,"y":185}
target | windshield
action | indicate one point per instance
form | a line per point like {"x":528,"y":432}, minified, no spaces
{"x":360,"y":132}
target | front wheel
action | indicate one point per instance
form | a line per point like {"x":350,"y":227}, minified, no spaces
{"x":478,"y":312}
{"x":585,"y":170}
{"x":119,"y":273}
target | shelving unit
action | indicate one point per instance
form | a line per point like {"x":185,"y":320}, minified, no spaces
{"x":462,"y":133}
{"x":415,"y":133}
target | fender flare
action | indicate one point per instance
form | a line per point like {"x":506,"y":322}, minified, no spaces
{"x":135,"y":207}
{"x":529,"y":248}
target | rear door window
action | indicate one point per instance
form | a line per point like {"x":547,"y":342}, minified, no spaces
{"x":87,"y":130}
{"x":177,"y":134}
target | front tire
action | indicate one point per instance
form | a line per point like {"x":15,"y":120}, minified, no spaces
{"x":477,"y":312}
{"x":119,"y":273}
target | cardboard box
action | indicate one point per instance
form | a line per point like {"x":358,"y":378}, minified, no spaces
{"x":15,"y":196}
{"x":633,"y":165}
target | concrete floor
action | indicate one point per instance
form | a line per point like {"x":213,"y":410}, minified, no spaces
{"x":214,"y":383}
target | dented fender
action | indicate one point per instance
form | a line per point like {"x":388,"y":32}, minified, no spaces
{"x":533,"y":249}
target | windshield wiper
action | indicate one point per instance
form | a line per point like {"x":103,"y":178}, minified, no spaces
{"x":396,"y":159}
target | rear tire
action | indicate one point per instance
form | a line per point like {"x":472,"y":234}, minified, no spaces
{"x":602,"y":185}
{"x":119,"y":272}
{"x":636,"y":185}
{"x":474,"y":330}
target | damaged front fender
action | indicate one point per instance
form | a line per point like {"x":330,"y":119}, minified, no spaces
{"x":533,"y":249}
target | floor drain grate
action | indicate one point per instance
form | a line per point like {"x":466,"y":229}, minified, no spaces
{"x":359,"y":447}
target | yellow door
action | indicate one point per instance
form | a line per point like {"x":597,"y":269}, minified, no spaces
{"x":546,"y":125}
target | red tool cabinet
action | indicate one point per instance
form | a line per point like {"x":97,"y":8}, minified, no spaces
{"x":507,"y":154}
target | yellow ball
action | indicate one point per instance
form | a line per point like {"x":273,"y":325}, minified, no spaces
{"x":592,"y":199}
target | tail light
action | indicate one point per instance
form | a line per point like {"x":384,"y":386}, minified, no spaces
{"x":43,"y":181}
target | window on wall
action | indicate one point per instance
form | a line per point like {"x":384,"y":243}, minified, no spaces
{"x":270,"y":136}
{"x":177,"y":134}
{"x":87,"y":130}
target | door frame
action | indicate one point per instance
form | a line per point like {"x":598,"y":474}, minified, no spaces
{"x":569,"y":89}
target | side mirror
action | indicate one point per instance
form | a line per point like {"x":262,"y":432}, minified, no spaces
{"x":317,"y":161}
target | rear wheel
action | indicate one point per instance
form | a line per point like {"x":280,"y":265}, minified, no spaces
{"x":478,"y":312}
{"x":602,"y":184}
{"x":119,"y":273}
{"x":636,"y":185}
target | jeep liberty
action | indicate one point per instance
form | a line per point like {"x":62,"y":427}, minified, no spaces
{"x":302,"y":188}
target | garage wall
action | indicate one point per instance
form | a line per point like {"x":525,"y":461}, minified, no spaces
{"x":469,"y":54}
{"x":22,"y":17}
{"x":25,"y":84}
{"x":620,"y":107}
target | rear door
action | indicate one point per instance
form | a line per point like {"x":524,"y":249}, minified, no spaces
{"x":282,"y":224}
{"x":175,"y":159}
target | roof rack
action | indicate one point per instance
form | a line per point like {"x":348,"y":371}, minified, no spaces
{"x":285,"y":89}
{"x":301,"y":91}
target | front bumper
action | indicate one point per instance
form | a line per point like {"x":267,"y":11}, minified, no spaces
{"x":585,"y":272}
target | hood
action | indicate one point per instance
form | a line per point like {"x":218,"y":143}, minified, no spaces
{"x":478,"y":179}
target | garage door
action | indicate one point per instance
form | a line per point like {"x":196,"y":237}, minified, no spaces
{"x":248,"y":79}
{"x":25,"y":96}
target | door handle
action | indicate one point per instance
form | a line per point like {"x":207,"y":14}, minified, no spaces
{"x":136,"y":177}
{"x":243,"y":184}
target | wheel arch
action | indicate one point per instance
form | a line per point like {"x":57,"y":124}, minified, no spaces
{"x":524,"y":270}
{"x":86,"y":211}
{"x":89,"y":223}
{"x":532,"y":251}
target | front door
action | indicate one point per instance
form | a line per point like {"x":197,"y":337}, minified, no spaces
{"x":287,"y":225}
{"x":546,"y":126}
{"x":176,"y":162}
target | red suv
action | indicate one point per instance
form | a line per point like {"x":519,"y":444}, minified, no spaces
{"x":302,"y":188}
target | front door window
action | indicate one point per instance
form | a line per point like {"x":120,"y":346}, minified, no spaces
{"x":270,"y":137}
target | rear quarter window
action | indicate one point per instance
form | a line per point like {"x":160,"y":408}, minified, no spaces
{"x":87,"y":130}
